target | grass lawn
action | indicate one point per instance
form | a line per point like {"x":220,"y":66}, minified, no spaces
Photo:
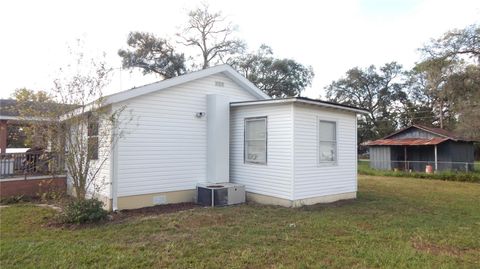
{"x":395,"y":223}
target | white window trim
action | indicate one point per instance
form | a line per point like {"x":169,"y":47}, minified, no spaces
{"x":245,"y":161}
{"x":337,"y":155}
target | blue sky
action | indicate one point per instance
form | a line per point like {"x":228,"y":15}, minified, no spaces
{"x":331,"y":36}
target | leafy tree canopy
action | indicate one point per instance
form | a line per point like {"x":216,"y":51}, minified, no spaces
{"x":380,"y":91}
{"x":152,"y":55}
{"x":276,"y":77}
{"x":455,"y":43}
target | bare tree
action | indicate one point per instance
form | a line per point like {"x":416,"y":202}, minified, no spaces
{"x":212,"y":34}
{"x":80,"y":127}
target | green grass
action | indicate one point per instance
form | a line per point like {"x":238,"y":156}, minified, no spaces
{"x":394,"y":223}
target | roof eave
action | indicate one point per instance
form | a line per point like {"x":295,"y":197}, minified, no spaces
{"x":224,"y":69}
{"x":297,"y":100}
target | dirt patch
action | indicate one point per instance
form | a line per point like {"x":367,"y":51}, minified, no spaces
{"x":339,"y":203}
{"x":153,"y":210}
{"x":124,"y":215}
{"x":148,"y":212}
{"x":340,"y":232}
{"x":365,"y":226}
{"x":434,"y":249}
{"x":54,"y":207}
{"x":207,"y":220}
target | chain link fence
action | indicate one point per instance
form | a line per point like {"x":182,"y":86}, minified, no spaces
{"x":419,"y":166}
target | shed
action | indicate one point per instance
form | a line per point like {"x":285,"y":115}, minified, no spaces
{"x":415,"y":147}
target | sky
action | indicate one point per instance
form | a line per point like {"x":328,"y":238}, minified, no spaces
{"x":330,"y":36}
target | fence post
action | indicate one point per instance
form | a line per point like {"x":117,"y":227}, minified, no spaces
{"x":466,"y":167}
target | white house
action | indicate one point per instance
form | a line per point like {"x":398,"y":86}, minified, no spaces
{"x":215,"y":126}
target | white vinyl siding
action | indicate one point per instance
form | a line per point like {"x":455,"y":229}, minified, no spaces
{"x":275,"y":177}
{"x":311,"y":179}
{"x":255,"y":140}
{"x":293,"y":170}
{"x":165,"y":145}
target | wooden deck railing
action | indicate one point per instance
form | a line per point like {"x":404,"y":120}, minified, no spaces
{"x":34,"y":163}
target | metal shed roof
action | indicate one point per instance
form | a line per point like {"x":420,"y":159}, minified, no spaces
{"x":407,"y":142}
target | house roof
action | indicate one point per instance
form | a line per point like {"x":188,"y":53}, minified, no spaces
{"x":407,"y":142}
{"x":167,"y":83}
{"x":9,"y":109}
{"x":436,"y":131}
{"x":442,"y":136}
{"x":303,"y":100}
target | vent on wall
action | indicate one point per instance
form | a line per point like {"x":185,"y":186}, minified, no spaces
{"x":219,"y":84}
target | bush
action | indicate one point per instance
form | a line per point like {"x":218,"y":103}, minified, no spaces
{"x":48,"y":191}
{"x":84,"y":211}
{"x":13,"y":199}
{"x":448,"y":176}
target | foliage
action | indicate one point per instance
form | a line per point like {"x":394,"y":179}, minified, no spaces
{"x":455,"y":44}
{"x":435,"y":73}
{"x":442,"y":90}
{"x":394,"y":223}
{"x":464,"y":89}
{"x":17,"y":137}
{"x":364,"y":169}
{"x":276,"y":77}
{"x":418,"y":108}
{"x":83,"y":211}
{"x":30,"y":103}
{"x":13,"y":199}
{"x":152,"y":55}
{"x":452,"y":63}
{"x":48,"y":191}
{"x":212,"y":35}
{"x":381,"y":92}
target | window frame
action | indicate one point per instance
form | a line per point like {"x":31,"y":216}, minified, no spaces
{"x":93,"y":128}
{"x":336,"y":155}
{"x":245,"y":161}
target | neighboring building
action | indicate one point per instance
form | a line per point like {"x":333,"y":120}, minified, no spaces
{"x":10,"y":117}
{"x":215,"y":126}
{"x":415,"y":147}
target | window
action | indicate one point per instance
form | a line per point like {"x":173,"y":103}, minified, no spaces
{"x":255,"y":140}
{"x":327,"y":141}
{"x":93,"y":138}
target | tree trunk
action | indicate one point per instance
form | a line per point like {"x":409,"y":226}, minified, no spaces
{"x":441,"y":114}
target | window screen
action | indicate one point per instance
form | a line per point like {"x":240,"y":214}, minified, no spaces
{"x":327,"y":141}
{"x":256,"y":140}
{"x":93,"y":138}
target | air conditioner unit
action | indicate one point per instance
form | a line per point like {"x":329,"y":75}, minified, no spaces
{"x":220,"y":194}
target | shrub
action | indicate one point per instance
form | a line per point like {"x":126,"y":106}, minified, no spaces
{"x":449,"y":176}
{"x":13,"y":199}
{"x":49,"y":191}
{"x":83,"y":211}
